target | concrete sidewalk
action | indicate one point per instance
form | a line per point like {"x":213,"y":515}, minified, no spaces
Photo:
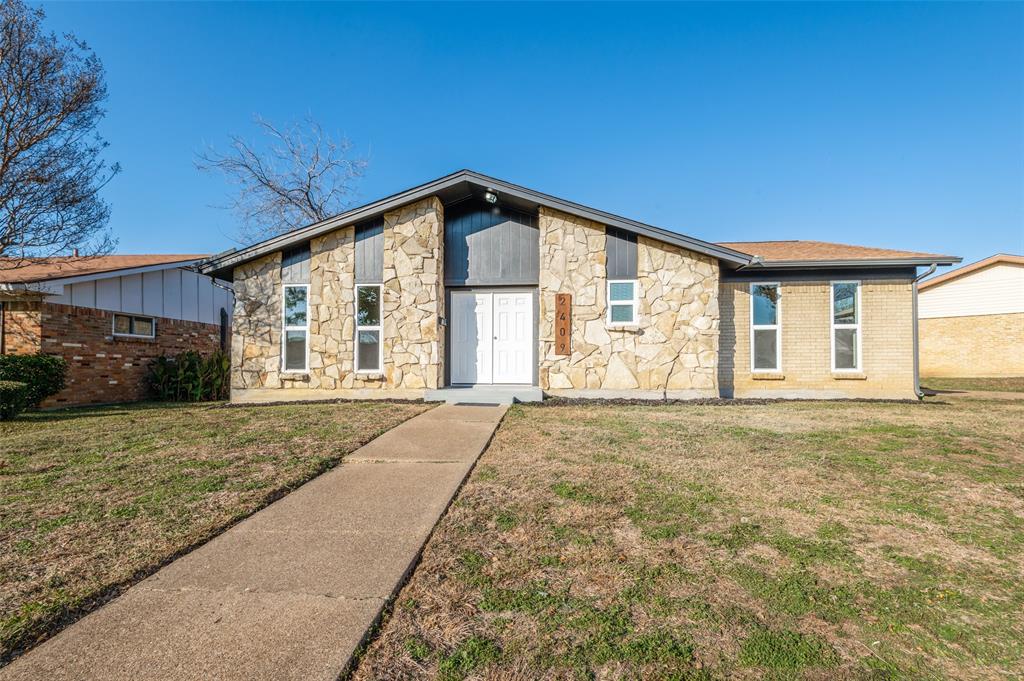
{"x":290,"y":592}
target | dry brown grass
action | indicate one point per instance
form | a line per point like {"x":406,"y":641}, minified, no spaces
{"x":92,"y":500}
{"x":1014,"y":384}
{"x":818,"y":540}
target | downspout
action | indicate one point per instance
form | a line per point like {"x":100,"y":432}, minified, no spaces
{"x":3,"y":336}
{"x":917,"y":362}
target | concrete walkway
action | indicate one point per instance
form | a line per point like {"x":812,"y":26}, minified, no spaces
{"x":290,"y":592}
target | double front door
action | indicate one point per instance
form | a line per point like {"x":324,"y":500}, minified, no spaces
{"x":491,"y":335}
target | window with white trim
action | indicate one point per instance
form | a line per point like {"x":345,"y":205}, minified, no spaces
{"x":622,"y":302}
{"x":134,"y":325}
{"x":765,"y":327}
{"x":846,"y":326}
{"x":369,"y":349}
{"x":295,"y":339}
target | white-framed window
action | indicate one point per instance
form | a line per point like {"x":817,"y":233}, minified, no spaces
{"x":134,"y":326}
{"x":369,"y":348}
{"x":846,"y":335}
{"x":295,"y":339}
{"x":622,"y":302}
{"x":766,"y":327}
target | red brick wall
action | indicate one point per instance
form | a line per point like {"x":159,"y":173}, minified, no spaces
{"x":21,"y":327}
{"x":106,"y":368}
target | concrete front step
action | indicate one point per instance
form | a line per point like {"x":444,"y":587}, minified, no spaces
{"x":486,"y":394}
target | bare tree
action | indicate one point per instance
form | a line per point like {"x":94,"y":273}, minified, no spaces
{"x":302,"y":177}
{"x":50,"y":166}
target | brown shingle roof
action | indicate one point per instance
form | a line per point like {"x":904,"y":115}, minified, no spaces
{"x":973,"y":267}
{"x":823,"y":251}
{"x":61,"y":267}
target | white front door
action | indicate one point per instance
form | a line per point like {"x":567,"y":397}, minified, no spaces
{"x":491,"y":337}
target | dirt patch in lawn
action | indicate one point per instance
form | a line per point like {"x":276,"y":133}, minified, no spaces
{"x":92,"y":500}
{"x":819,"y":540}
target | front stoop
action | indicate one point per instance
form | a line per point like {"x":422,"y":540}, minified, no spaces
{"x":292,"y":591}
{"x":485,"y":394}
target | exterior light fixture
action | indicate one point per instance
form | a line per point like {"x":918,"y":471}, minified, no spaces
{"x":491,"y":196}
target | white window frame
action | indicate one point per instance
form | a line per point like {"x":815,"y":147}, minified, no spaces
{"x":131,"y":325}
{"x":833,"y":326}
{"x":293,"y":327}
{"x":635,"y":302}
{"x":777,"y":327}
{"x":379,"y":328}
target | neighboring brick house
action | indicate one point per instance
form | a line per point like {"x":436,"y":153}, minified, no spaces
{"x":108,"y":316}
{"x":971,"y":320}
{"x":471,"y":281}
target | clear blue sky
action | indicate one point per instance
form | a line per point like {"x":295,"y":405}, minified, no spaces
{"x":889,"y":125}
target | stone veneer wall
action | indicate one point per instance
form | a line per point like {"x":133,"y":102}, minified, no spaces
{"x":414,"y":295}
{"x":673,"y":348}
{"x":887,"y":325}
{"x":978,"y":345}
{"x":256,"y":324}
{"x":412,"y":303}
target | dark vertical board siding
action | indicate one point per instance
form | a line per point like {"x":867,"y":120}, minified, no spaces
{"x":620,"y":247}
{"x":485,"y":245}
{"x":295,"y":265}
{"x":370,"y":253}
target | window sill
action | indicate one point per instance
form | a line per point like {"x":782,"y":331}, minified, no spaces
{"x":769,"y":376}
{"x":295,"y":375}
{"x":626,"y":328}
{"x":370,"y":375}
{"x":124,"y":338}
{"x":849,"y":376}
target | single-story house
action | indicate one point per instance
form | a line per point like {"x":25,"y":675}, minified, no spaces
{"x":108,"y":316}
{"x":971,"y":320}
{"x":472,"y":281}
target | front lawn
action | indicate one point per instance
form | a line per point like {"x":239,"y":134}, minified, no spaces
{"x":92,"y":500}
{"x":799,"y":539}
{"x":1014,"y":384}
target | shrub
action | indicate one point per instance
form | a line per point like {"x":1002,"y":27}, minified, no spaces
{"x":13,"y":398}
{"x":190,"y":377}
{"x":42,"y":374}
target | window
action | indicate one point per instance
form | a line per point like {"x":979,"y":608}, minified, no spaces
{"x":130,"y":325}
{"x":622,"y":303}
{"x":295,"y":344}
{"x":765,"y":328}
{"x":368,"y":328}
{"x":846,"y":326}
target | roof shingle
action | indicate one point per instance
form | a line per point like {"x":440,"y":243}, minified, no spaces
{"x":14,"y":271}
{"x":823,"y":251}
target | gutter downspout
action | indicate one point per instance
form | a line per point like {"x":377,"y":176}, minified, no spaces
{"x":917,"y":359}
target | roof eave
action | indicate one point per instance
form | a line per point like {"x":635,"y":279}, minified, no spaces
{"x":223,"y":263}
{"x":872,"y":262}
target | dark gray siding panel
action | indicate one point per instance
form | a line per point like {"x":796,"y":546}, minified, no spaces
{"x":370,"y":253}
{"x":620,"y":246}
{"x":488,"y":245}
{"x":295,"y":265}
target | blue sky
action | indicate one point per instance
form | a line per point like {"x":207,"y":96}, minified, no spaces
{"x":889,"y":125}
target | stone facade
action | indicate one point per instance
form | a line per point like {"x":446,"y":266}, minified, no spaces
{"x":414,"y":295}
{"x":978,"y":345}
{"x":671,"y":351}
{"x":102,"y":368}
{"x":887,"y":343}
{"x":412,"y":304}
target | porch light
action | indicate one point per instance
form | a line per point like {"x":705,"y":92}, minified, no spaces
{"x":491,"y":196}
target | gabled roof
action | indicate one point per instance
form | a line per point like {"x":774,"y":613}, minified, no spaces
{"x":973,"y":267}
{"x":14,"y":271}
{"x":457,"y":186}
{"x":826,"y":254}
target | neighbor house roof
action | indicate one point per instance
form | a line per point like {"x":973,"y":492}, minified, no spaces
{"x":824,"y":253}
{"x":14,"y":271}
{"x":457,"y":186}
{"x":973,"y":267}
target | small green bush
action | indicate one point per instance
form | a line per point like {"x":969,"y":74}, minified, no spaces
{"x":190,"y":377}
{"x":13,"y":398}
{"x":42,"y":374}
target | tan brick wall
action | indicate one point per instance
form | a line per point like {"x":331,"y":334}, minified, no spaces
{"x":672,"y":348}
{"x":982,"y":345}
{"x":887,"y":343}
